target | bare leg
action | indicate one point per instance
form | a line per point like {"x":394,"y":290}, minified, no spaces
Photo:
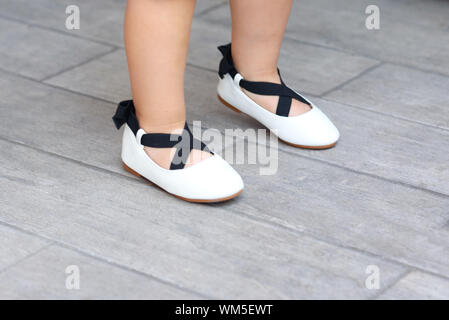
{"x":258,"y":27}
{"x":157,"y":35}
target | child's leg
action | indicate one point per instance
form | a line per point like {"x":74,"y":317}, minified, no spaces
{"x":156,"y":39}
{"x":257,"y":30}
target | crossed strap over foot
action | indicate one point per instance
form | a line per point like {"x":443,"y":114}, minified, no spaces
{"x":263,"y":88}
{"x":183,"y":143}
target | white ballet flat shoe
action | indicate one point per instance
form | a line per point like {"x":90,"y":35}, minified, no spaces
{"x":210,"y":180}
{"x":311,"y":130}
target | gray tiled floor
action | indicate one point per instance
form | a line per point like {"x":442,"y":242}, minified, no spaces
{"x":381,"y":197}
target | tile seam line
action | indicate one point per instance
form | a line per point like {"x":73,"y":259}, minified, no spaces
{"x":62,"y":244}
{"x":55,"y":86}
{"x":333,"y":100}
{"x":371,"y":175}
{"x":352,"y":79}
{"x":251,"y":217}
{"x":28,"y":256}
{"x":363,"y":55}
{"x":82,"y":63}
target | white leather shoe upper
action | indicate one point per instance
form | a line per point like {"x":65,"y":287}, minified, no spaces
{"x":311,"y":129}
{"x":210,"y":179}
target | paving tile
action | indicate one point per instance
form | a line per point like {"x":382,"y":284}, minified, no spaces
{"x":388,"y":147}
{"x":308,"y":68}
{"x":44,"y":276}
{"x":341,"y":24}
{"x":59,"y":121}
{"x":51,"y":14}
{"x":402,"y":92}
{"x":325,"y":22}
{"x":430,"y":14}
{"x":207,"y":249}
{"x":350,"y":209}
{"x":106,"y":78}
{"x":311,"y":69}
{"x":38,"y":53}
{"x":100,"y":20}
{"x":16,"y":245}
{"x":411,"y":32}
{"x":310,"y":72}
{"x":204,"y":6}
{"x":418,"y":286}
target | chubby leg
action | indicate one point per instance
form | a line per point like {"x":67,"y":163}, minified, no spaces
{"x":157,"y":36}
{"x":258,"y":27}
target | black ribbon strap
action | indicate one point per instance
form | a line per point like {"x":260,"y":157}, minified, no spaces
{"x":183,"y":143}
{"x":263,"y":88}
{"x":273,"y":89}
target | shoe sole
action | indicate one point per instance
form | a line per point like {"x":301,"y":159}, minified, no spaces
{"x":288,"y":143}
{"x":179,"y":197}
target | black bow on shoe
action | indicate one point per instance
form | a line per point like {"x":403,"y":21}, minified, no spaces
{"x":122,"y":113}
{"x":184,"y":143}
{"x":126,"y":113}
{"x":226,"y":64}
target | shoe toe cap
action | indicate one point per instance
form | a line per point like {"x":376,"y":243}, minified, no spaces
{"x":312,"y":129}
{"x":212,"y":179}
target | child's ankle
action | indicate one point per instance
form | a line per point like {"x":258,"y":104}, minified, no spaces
{"x":171,"y":127}
{"x":261,"y":75}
